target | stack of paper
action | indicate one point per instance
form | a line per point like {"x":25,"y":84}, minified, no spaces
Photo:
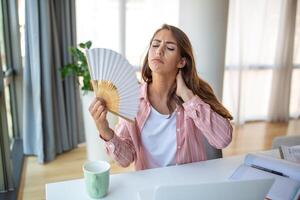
{"x":290,"y":153}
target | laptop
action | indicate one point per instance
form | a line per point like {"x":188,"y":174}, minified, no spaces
{"x":225,"y":190}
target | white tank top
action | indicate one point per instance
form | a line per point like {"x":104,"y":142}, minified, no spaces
{"x":159,"y":139}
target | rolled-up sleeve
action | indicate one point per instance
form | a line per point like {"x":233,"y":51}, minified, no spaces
{"x":121,"y":147}
{"x":216,"y":129}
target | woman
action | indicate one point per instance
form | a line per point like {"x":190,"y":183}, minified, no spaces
{"x":177,"y":110}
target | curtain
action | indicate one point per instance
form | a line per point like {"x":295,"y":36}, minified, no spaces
{"x":282,"y":74}
{"x":257,"y":47}
{"x":295,"y":90}
{"x":52,"y":116}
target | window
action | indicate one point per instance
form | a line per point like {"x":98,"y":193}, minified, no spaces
{"x":295,"y":91}
{"x":143,"y":18}
{"x":99,"y":21}
{"x":11,"y":153}
{"x":253,"y":29}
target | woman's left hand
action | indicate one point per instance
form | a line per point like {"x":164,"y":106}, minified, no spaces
{"x":182,"y":90}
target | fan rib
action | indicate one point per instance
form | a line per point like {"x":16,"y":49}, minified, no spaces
{"x":115,"y":81}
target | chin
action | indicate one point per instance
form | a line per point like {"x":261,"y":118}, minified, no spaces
{"x":154,"y":68}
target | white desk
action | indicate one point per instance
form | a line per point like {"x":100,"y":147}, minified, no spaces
{"x":126,"y":185}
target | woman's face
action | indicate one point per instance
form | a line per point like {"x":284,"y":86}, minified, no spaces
{"x":164,"y":56}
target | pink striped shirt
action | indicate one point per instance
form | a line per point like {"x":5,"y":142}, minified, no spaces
{"x":194,"y":121}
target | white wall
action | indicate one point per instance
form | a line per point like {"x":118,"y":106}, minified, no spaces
{"x":205,"y":23}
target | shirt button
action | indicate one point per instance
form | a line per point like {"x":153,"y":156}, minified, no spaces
{"x":178,"y":113}
{"x":179,"y":147}
{"x":177,"y":130}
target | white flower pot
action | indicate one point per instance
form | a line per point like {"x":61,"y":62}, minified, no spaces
{"x":94,"y":144}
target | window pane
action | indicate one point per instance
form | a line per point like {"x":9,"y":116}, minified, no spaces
{"x":253,"y":89}
{"x":295,"y":94}
{"x":252,"y":33}
{"x":8,"y":112}
{"x":2,"y":45}
{"x":295,"y":84}
{"x":297,"y":38}
{"x":143,"y":17}
{"x":98,"y":21}
{"x":21,"y":12}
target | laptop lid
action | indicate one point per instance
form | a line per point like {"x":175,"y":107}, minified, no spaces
{"x":227,"y":190}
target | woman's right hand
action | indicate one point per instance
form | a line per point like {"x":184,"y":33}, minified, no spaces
{"x":98,"y":111}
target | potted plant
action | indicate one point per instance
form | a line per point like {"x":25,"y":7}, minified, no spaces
{"x":79,"y":68}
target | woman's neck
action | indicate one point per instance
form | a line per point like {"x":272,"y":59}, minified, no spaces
{"x":161,"y":86}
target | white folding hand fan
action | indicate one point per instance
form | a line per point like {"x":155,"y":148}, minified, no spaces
{"x":114,"y":80}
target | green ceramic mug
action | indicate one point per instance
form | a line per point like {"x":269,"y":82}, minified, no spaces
{"x":96,"y":176}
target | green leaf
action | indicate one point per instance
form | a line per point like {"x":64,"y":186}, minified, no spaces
{"x":88,"y":44}
{"x":73,"y":51}
{"x":67,"y":70}
{"x":63,"y":72}
{"x":82,"y":45}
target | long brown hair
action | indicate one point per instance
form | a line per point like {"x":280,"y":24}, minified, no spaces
{"x":189,"y":74}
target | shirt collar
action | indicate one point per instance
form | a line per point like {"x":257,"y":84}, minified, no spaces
{"x":144,"y":92}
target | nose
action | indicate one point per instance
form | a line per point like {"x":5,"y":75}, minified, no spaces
{"x":160,"y":50}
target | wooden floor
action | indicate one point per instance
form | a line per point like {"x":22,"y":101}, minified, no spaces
{"x":246,"y":138}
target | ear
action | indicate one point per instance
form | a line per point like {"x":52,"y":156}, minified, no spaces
{"x":182,"y":63}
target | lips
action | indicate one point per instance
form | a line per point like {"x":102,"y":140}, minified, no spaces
{"x":157,"y":60}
